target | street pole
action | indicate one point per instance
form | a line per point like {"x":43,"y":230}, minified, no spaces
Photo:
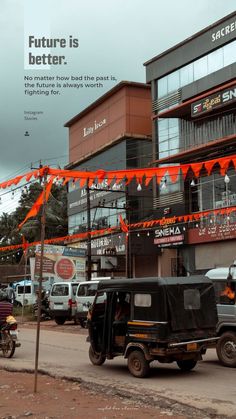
{"x":40,"y":281}
{"x":89,"y":249}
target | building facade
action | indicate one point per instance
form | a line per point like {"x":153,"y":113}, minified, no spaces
{"x":113,"y":133}
{"x":193,"y":88}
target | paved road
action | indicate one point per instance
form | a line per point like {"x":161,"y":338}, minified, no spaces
{"x":210,"y":386}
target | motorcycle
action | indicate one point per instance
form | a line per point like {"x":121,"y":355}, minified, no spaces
{"x":9,"y":337}
{"x":45,"y":310}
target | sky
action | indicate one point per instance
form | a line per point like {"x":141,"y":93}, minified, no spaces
{"x":108,"y":40}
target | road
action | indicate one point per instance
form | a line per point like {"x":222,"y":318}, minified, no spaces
{"x":210,"y":387}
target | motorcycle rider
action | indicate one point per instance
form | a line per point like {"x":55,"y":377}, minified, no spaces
{"x":6,"y":307}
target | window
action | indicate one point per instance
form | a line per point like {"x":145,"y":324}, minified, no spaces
{"x":192,"y":299}
{"x":211,"y":62}
{"x":24,"y":290}
{"x":229,"y":53}
{"x":224,"y":293}
{"x":60,"y":290}
{"x":142,"y":300}
{"x":162,"y":87}
{"x":173,"y":81}
{"x":186,"y":75}
{"x":168,"y":136}
{"x":212,"y":192}
{"x":200,"y":68}
{"x":215,"y":60}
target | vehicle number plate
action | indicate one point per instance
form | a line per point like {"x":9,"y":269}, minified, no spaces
{"x":13,"y":333}
{"x":58,"y":306}
{"x":85,"y":308}
{"x":191,"y":346}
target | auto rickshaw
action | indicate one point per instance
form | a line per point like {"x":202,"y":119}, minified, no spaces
{"x":164,"y":319}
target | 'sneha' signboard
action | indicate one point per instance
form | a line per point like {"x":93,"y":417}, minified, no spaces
{"x":61,"y":262}
{"x":169,"y":235}
{"x":212,"y":102}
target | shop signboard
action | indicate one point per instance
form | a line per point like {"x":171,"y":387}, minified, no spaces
{"x":114,"y":244}
{"x":169,"y":235}
{"x":212,"y":233}
{"x":61,"y":263}
{"x":217,"y":100}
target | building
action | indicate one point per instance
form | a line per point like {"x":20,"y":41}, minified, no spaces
{"x":193,"y":89}
{"x":113,"y":133}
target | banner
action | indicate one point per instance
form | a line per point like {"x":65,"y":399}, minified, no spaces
{"x":61,"y":263}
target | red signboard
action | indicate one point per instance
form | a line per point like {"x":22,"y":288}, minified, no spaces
{"x":213,"y":233}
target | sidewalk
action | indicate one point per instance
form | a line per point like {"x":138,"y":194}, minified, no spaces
{"x":60,"y":398}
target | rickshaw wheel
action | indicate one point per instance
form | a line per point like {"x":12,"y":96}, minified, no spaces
{"x":96,"y":358}
{"x":137,"y":364}
{"x":186,"y":364}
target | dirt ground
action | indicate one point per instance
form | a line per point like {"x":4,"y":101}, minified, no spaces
{"x":60,"y":398}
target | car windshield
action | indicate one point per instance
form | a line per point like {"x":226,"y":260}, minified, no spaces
{"x":60,"y":290}
{"x":86,"y":290}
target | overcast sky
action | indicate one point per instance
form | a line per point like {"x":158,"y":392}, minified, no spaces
{"x":115,"y":38}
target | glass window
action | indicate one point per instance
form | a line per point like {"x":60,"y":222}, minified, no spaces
{"x":206,"y":193}
{"x":215,"y":60}
{"x":229,"y":53}
{"x":186,"y":75}
{"x":60,"y":290}
{"x":142,"y":300}
{"x":24,"y":290}
{"x":224,"y":294}
{"x":162,"y":87}
{"x":200,"y":68}
{"x":192,"y":299}
{"x":173,"y":81}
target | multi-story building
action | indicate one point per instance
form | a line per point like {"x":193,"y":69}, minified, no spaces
{"x":193,"y":89}
{"x":113,"y":133}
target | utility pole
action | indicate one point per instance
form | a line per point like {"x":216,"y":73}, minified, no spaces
{"x":43,"y":222}
{"x":89,"y":249}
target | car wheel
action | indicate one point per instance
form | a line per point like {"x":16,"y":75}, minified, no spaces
{"x":137,"y":364}
{"x":226,"y":349}
{"x":186,"y":364}
{"x":83,"y":323}
{"x":76,"y":320}
{"x":60,"y":320}
{"x":95,"y":357}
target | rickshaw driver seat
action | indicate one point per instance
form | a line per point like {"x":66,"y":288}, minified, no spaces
{"x":122,"y":315}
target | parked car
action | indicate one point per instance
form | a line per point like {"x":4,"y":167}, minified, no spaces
{"x":224,"y":280}
{"x":62,"y":302}
{"x":85,"y":295}
{"x":164,"y":319}
{"x":25,"y":293}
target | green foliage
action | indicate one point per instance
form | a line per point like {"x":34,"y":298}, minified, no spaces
{"x":56,"y":216}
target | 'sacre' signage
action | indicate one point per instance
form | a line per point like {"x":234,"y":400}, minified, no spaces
{"x":212,"y":102}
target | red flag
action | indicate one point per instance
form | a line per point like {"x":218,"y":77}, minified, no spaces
{"x":35,"y":208}
{"x":123,"y":225}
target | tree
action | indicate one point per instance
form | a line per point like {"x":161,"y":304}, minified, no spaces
{"x":56,"y":212}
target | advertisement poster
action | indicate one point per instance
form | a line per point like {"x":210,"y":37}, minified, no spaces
{"x":60,"y":263}
{"x":58,"y":57}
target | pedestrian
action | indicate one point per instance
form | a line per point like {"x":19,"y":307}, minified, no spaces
{"x":6,"y":307}
{"x":10,"y":293}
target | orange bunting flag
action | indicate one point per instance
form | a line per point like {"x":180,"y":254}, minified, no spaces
{"x":123,"y":225}
{"x":36,"y":207}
